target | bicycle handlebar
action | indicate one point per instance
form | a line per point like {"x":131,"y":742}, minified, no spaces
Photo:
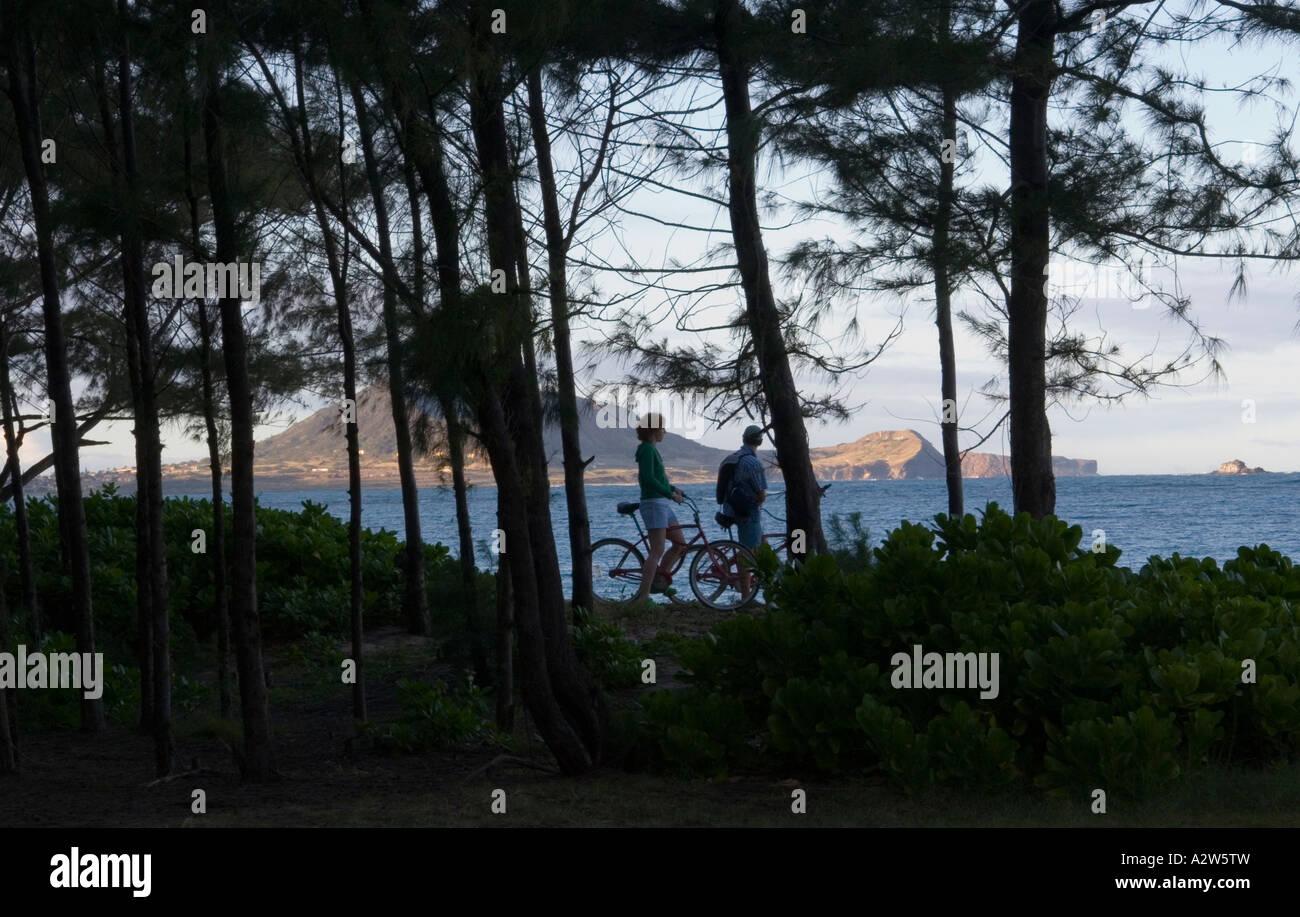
{"x":822,"y":487}
{"x":695,"y":509}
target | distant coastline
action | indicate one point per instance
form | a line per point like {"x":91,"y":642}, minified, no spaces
{"x":191,"y":485}
{"x":311,"y":455}
{"x":194,"y":477}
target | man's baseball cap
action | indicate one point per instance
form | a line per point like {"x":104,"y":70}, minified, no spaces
{"x":753,"y":433}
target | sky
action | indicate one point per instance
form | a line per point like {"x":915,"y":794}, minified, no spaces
{"x":1252,"y":412}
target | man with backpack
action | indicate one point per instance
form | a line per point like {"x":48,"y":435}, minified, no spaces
{"x":742,"y":488}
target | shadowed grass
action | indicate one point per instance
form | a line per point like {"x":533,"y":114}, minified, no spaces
{"x":1227,"y":799}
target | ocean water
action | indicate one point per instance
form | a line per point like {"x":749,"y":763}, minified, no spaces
{"x":1194,"y":515}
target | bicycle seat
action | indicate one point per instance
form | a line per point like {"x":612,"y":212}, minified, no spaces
{"x":627,"y":509}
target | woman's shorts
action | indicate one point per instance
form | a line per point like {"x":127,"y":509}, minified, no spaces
{"x":657,"y":513}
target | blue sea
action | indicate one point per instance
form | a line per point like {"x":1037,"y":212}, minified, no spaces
{"x":1193,"y":515}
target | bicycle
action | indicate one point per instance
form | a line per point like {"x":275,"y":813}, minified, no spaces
{"x":778,"y":541}
{"x":714,"y":573}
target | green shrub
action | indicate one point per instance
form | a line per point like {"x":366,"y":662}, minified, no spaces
{"x":51,"y":707}
{"x":302,"y":572}
{"x":708,"y":734}
{"x":59,"y":707}
{"x":434,"y":717}
{"x":607,"y":654}
{"x":303,"y":585}
{"x":1108,"y":677}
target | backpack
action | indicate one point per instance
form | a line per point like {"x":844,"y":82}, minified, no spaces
{"x":726,"y":472}
{"x":735,"y":499}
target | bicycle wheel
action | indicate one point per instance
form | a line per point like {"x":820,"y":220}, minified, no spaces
{"x":716,"y":575}
{"x":615,"y":570}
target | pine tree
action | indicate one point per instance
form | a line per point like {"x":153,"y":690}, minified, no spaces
{"x":257,"y":761}
{"x":21,"y":67}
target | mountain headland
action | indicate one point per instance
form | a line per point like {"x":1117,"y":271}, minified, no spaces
{"x":311,"y":454}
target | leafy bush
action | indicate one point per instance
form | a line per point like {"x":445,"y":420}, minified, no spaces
{"x":1108,"y":677}
{"x":607,"y":654}
{"x":434,"y":717}
{"x":59,"y":707}
{"x":302,"y":571}
{"x":703,"y":734}
{"x":315,"y":651}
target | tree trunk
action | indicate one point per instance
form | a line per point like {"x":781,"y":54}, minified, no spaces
{"x":465,"y":538}
{"x":144,"y":591}
{"x":565,"y":704}
{"x":218,"y":544}
{"x":8,"y":753}
{"x":560,"y":734}
{"x":145,"y":617}
{"x":220,"y":602}
{"x":419,"y":307}
{"x":557,"y":251}
{"x":943,"y":298}
{"x":802,"y":494}
{"x":338,"y":276}
{"x":143,"y":554}
{"x":22,"y":529}
{"x":257,"y":761}
{"x":525,"y":416}
{"x":8,"y":712}
{"x":575,"y":691}
{"x":446,"y":231}
{"x":356,"y":585}
{"x":1032,"y":481}
{"x":505,"y":675}
{"x":455,"y":431}
{"x":146,"y":420}
{"x":65,"y":438}
{"x":416,"y":603}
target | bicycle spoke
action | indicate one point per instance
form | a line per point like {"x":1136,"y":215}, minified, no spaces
{"x":716,"y":575}
{"x":615,"y":570}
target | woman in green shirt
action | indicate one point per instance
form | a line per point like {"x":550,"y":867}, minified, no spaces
{"x":658,"y":515}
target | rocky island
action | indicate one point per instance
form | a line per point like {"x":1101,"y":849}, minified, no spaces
{"x":1237,"y":466}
